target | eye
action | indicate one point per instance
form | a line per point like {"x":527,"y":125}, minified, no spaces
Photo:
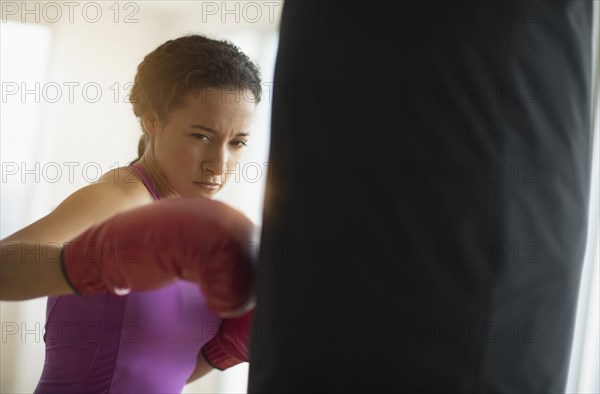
{"x":239,"y":143}
{"x":200,"y":136}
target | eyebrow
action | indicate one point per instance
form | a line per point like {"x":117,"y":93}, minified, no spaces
{"x":201,"y":127}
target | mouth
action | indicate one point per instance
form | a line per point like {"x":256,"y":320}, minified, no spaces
{"x":208,"y":185}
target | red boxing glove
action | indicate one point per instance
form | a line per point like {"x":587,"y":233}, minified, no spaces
{"x":196,"y":239}
{"x":230,"y":346}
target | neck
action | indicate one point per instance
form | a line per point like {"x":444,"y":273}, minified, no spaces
{"x":150,"y":165}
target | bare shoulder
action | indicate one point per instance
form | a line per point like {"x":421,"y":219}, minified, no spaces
{"x":121,"y":176}
{"x":121,"y":187}
{"x":116,"y":191}
{"x":121,"y":183}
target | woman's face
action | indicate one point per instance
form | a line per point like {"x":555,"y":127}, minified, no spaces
{"x":200,"y":146}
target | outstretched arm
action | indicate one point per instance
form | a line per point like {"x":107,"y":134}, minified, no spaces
{"x":195,"y":239}
{"x":30,"y":269}
{"x":30,"y":258}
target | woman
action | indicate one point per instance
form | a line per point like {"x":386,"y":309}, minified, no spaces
{"x":195,"y":98}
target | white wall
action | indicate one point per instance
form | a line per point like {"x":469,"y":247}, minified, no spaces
{"x":585,"y":355}
{"x":81,"y":131}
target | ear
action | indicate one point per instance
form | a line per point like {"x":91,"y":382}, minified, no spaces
{"x":151,"y":123}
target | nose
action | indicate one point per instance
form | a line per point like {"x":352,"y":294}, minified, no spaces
{"x":216,"y":161}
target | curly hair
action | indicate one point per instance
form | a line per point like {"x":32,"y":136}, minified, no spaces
{"x":187,"y":65}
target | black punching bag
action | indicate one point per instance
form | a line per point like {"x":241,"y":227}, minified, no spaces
{"x":426,"y":208}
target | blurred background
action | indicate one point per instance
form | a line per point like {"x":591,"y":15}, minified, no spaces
{"x":66,"y":71}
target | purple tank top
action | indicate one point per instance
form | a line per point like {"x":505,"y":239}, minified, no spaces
{"x":144,"y":342}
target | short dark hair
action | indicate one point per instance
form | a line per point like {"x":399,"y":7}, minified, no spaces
{"x":186,"y":65}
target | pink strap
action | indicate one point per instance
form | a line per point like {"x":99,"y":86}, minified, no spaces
{"x":146,"y":180}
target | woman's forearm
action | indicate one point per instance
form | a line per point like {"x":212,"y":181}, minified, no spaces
{"x":202,"y":368}
{"x":30,"y":269}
